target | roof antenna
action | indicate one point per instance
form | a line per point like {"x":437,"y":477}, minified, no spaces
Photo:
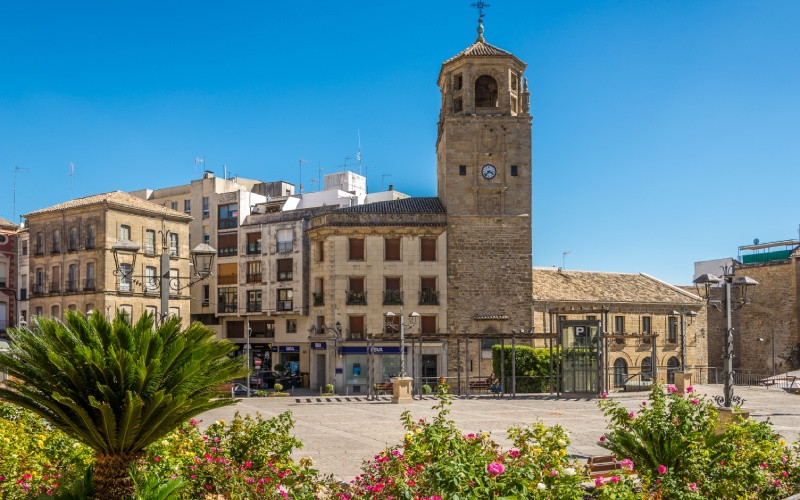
{"x":564,"y":259}
{"x":71,"y":174}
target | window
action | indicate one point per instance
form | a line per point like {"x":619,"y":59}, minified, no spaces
{"x":89,"y":283}
{"x":285,"y":269}
{"x":515,"y":84}
{"x":391,"y":292}
{"x":205,"y":207}
{"x":355,"y":292}
{"x":620,"y":372}
{"x":173,"y":244}
{"x":227,"y":274}
{"x":458,"y":81}
{"x":227,"y":244}
{"x":647,"y":368}
{"x":355,"y":248}
{"x":175,"y":312}
{"x":55,"y":284}
{"x":319,"y":292}
{"x":150,"y":278}
{"x":73,"y":239}
{"x":646,"y":328}
{"x":54,"y":312}
{"x":514,"y":173}
{"x":392,"y":324}
{"x":235,"y":329}
{"x":284,"y":240}
{"x":174,"y":205}
{"x":206,"y":236}
{"x":90,"y":237}
{"x":126,"y":312}
{"x":458,"y":105}
{"x":428,"y":295}
{"x":672,"y":329}
{"x":619,"y":325}
{"x":486,"y":92}
{"x":320,"y":324}
{"x":427,"y":249}
{"x":187,"y":206}
{"x":254,"y":272}
{"x":254,"y":243}
{"x":38,"y":248}
{"x":226,"y":299}
{"x":285,"y":299}
{"x":39,"y":311}
{"x":72,"y":278}
{"x":3,"y":275}
{"x":150,"y":242}
{"x":462,"y":170}
{"x":261,"y":328}
{"x":254,"y":301}
{"x":391,"y":249}
{"x":206,"y":295}
{"x":291,"y":326}
{"x":427,"y":325}
{"x":673,"y":365}
{"x":124,"y":232}
{"x":23,"y":250}
{"x":320,"y":251}
{"x":56,"y":248}
{"x":356,"y":328}
{"x":228,"y":216}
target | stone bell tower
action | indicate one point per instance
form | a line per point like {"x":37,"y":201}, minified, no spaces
{"x":484,"y":181}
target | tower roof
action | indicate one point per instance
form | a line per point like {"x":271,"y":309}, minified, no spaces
{"x":480,"y":48}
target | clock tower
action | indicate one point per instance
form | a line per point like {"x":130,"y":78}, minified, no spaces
{"x":483,"y":154}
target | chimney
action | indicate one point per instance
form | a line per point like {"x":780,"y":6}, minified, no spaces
{"x":391,"y":187}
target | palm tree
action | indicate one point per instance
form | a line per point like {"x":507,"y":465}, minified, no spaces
{"x":116,"y":386}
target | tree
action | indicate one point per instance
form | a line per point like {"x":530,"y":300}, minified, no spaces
{"x":116,"y":386}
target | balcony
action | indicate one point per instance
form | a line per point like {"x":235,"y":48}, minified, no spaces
{"x":56,"y":248}
{"x":319,"y":298}
{"x":254,"y":277}
{"x":392,"y":297}
{"x":269,"y":334}
{"x":38,"y":250}
{"x":55,"y":287}
{"x":355,"y":336}
{"x":88,"y":285}
{"x":285,"y":276}
{"x":226,"y":251}
{"x":254,"y":306}
{"x":228,"y":279}
{"x":254,"y":248}
{"x":37,"y":290}
{"x":284,"y":305}
{"x":285,"y":246}
{"x":356,"y":298}
{"x":428,"y":297}
{"x":227,"y":307}
{"x":72,"y":286}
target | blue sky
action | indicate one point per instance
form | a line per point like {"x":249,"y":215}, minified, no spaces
{"x":664,"y":132}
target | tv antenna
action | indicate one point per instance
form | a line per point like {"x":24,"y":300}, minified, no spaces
{"x":301,"y":174}
{"x":71,"y":176}
{"x":17,"y":170}
{"x":383,"y":177}
{"x":564,"y":259}
{"x":197,"y":162}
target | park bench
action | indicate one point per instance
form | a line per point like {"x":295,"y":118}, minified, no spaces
{"x":384,"y":387}
{"x":479,"y":385}
{"x":602,"y":465}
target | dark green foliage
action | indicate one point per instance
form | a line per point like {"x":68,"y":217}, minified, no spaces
{"x":533,"y":367}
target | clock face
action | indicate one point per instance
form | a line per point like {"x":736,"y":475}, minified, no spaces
{"x":488,"y":171}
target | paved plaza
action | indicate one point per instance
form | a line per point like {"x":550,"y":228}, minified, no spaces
{"x":338,"y":433}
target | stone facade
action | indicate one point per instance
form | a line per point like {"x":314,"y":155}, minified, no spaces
{"x":72,"y":266}
{"x":8,"y":275}
{"x":484,"y":182}
{"x":771,"y":313}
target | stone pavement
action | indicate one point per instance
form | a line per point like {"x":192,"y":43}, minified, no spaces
{"x":340,"y":432}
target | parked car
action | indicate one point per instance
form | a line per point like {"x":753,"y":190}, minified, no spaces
{"x":239,"y":390}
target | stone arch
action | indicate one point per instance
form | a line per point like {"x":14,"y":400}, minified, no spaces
{"x":486,"y":92}
{"x":673,"y":365}
{"x":620,"y":371}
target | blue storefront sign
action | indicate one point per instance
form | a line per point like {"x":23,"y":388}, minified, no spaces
{"x":289,"y":348}
{"x":375,"y":350}
{"x":318,"y":346}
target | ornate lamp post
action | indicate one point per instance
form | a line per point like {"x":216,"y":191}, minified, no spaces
{"x":726,"y":305}
{"x":413,"y":318}
{"x":125,"y":251}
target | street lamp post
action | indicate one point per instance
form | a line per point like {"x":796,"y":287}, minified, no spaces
{"x":401,"y":389}
{"x":726,"y":305}
{"x":124,"y":252}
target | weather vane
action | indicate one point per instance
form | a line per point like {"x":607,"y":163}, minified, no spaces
{"x":480,"y":5}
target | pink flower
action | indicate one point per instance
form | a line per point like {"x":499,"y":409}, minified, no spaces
{"x":513,"y":453}
{"x":692,"y":487}
{"x":690,"y":389}
{"x":662,"y":469}
{"x":777,"y":483}
{"x":248,"y":464}
{"x":632,"y":415}
{"x":495,"y":469}
{"x":763,"y":465}
{"x":602,"y":438}
{"x":604,"y":395}
{"x":626,"y":464}
{"x":554,"y":473}
{"x":157,"y":459}
{"x":644,"y":403}
{"x":600,"y":481}
{"x":614,"y":479}
{"x":695,"y":401}
{"x":784,"y":473}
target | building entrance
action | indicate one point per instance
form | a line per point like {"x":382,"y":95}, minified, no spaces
{"x":580,"y":356}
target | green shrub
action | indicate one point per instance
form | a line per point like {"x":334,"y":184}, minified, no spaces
{"x":329,"y":388}
{"x":426,"y":389}
{"x":278,"y":387}
{"x":533,"y":367}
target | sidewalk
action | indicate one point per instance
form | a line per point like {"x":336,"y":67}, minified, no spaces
{"x":339,"y":432}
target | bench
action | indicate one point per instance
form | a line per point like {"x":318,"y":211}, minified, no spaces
{"x":384,"y":387}
{"x":601,"y":466}
{"x":637,"y":385}
{"x":479,"y":385}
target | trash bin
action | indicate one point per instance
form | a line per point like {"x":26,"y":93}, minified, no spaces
{"x":306,"y":379}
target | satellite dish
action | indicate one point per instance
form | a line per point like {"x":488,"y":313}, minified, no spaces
{"x":755,"y":241}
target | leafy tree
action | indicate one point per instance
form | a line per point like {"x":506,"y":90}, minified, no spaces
{"x":116,"y":386}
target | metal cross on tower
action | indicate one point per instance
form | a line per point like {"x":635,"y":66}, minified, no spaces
{"x":480,"y":5}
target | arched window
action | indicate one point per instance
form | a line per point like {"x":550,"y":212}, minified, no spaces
{"x":647,"y":369}
{"x":73,"y":239}
{"x":486,"y":92}
{"x":673,"y":365}
{"x":620,"y":372}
